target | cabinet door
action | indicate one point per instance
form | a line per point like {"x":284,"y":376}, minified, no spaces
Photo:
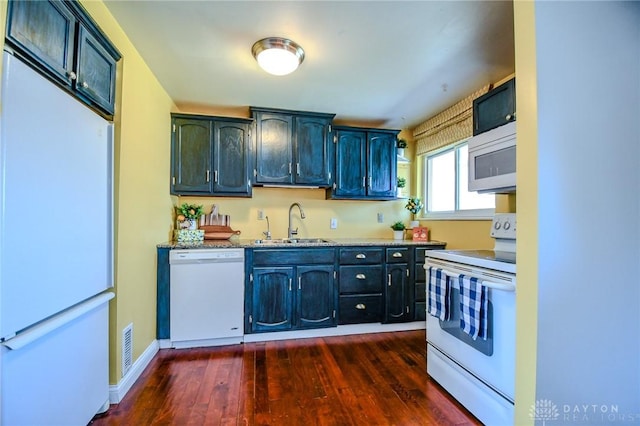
{"x":316,"y":296}
{"x":274,"y":148}
{"x":45,"y":30}
{"x":191,"y":145}
{"x":96,"y":72}
{"x":396,"y":307}
{"x":381,"y":156}
{"x":350,"y":163}
{"x":494,"y":108}
{"x":231,"y":158}
{"x":272,"y":299}
{"x":313,"y":162}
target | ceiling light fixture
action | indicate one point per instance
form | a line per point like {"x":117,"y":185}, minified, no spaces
{"x":277,"y":55}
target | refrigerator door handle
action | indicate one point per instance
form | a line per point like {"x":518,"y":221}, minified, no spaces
{"x":37,"y":331}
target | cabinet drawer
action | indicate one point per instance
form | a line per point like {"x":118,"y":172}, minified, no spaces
{"x":361,"y":279}
{"x":421,"y":311}
{"x":355,"y":309}
{"x":301,"y":256}
{"x":397,"y":255}
{"x":360,"y":256}
{"x":421,"y":292}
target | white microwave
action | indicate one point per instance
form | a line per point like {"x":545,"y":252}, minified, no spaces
{"x":492,"y":160}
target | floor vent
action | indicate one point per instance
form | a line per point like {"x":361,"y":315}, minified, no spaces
{"x":127,"y":349}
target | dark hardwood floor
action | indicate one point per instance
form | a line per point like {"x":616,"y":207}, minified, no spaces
{"x":368,"y":379}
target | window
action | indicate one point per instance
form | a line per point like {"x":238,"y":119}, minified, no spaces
{"x":446,"y":181}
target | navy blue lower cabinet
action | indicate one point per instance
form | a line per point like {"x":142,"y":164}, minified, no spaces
{"x":315,"y":298}
{"x":272,"y":297}
{"x":397,"y":291}
{"x":290,"y":289}
{"x":162,"y":294}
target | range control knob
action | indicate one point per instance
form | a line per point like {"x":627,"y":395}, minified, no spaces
{"x":496,"y":225}
{"x":507,"y":225}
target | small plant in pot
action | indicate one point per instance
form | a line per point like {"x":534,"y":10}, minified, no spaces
{"x":401,"y":144}
{"x":398,"y":230}
{"x":401,"y":183}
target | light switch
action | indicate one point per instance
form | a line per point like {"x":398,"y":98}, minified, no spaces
{"x":380,"y":217}
{"x":334,"y":223}
{"x":260,"y":214}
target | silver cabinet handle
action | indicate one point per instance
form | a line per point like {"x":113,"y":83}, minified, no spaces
{"x":389,"y":279}
{"x":361,"y":276}
{"x":290,"y":284}
{"x":72,"y":75}
{"x":215,"y":176}
{"x":364,"y":181}
{"x":289,"y":168}
{"x":298,"y":169}
{"x":299,"y":283}
{"x":369,"y":182}
{"x":361,"y":256}
{"x":84,"y":84}
{"x":361,"y":306}
{"x":397,"y":254}
{"x":208,"y":174}
{"x":508,"y":117}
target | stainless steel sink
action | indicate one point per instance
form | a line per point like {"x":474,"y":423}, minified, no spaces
{"x":293,"y":241}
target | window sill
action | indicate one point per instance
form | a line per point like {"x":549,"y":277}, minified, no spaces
{"x":486,"y":214}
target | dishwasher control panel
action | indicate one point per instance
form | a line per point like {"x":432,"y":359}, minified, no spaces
{"x":200,"y":255}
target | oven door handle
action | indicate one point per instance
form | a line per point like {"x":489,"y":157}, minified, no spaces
{"x":488,"y":284}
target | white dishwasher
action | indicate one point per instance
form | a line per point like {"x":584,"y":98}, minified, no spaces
{"x":206,"y":297}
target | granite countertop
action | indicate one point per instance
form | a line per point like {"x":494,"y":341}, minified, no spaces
{"x":330,"y":242}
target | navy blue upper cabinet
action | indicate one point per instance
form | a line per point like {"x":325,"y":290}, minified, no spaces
{"x":210,"y":155}
{"x":292,"y":147}
{"x":495,"y":108}
{"x":60,"y":40}
{"x":366,"y":166}
{"x":96,"y":71}
{"x":46,"y":31}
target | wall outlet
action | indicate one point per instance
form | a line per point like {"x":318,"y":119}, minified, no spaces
{"x":380,"y":217}
{"x":260,"y":214}
{"x":334,"y":223}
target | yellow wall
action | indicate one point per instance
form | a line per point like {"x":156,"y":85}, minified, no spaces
{"x":143,"y":206}
{"x":527,"y":205}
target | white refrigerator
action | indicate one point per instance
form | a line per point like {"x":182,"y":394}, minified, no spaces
{"x":56,"y":252}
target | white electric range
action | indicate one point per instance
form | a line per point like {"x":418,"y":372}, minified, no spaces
{"x":479,"y":372}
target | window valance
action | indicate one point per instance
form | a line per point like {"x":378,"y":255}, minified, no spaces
{"x":451,"y":125}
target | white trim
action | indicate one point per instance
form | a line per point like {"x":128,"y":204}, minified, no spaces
{"x":118,"y":392}
{"x":479,"y":214}
{"x":341,"y":330}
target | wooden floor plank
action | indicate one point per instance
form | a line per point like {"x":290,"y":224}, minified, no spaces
{"x":371,"y":379}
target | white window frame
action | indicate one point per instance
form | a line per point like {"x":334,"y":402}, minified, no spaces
{"x":475,"y":214}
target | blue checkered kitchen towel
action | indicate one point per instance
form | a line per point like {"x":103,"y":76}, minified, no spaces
{"x":438,"y":294}
{"x":473,"y":307}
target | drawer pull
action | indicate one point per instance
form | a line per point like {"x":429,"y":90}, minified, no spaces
{"x":361,"y":306}
{"x":361,"y":276}
{"x":397,"y":254}
{"x":361,"y":256}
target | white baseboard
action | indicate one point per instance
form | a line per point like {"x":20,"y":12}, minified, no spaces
{"x":117,"y":392}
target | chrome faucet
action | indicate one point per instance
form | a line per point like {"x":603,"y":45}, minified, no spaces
{"x":291,"y":231}
{"x":267,"y":233}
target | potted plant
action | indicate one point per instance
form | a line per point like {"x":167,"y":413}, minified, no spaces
{"x":401,"y":183}
{"x":398,"y":230}
{"x":188,"y":215}
{"x":401,"y":144}
{"x":414,"y":205}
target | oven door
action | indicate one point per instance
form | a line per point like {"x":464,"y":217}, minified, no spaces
{"x":491,"y":360}
{"x":492,"y":160}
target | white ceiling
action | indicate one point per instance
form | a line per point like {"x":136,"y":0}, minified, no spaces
{"x":380,"y":63}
